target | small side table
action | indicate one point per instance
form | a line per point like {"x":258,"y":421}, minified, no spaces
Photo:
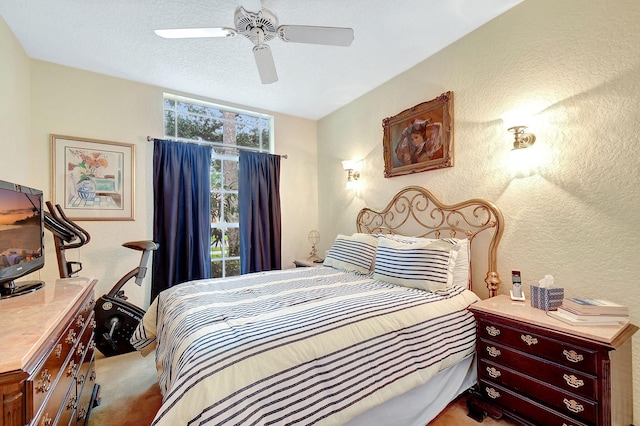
{"x":538,"y":370}
{"x":304,"y":263}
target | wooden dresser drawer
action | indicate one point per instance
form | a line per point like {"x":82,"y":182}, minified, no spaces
{"x":536,"y":413}
{"x":85,"y":383}
{"x":46,"y":377}
{"x":532,"y":343}
{"x":557,"y":375}
{"x":84,"y":343}
{"x":565,"y":402}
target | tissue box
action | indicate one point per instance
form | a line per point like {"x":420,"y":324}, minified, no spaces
{"x":546,"y":298}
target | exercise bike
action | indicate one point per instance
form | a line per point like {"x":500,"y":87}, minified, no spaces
{"x":116,"y":319}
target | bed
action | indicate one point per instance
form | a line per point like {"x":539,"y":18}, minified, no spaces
{"x":379,"y":335}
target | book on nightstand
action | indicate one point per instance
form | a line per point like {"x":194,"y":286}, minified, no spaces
{"x":571,"y":317}
{"x":583,"y":305}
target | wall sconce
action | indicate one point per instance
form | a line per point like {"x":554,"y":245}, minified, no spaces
{"x":525,"y":162}
{"x":352,"y":168}
{"x":520,"y":138}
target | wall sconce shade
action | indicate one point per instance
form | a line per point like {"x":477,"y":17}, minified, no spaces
{"x":521,"y":139}
{"x":351,"y":167}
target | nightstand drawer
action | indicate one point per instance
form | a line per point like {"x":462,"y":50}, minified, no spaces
{"x":533,"y":411}
{"x":554,"y":350}
{"x":553,"y":374}
{"x":565,"y":402}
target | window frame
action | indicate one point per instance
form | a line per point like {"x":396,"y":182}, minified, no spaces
{"x":225,"y":259}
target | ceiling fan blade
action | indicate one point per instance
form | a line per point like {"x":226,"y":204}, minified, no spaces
{"x":196,"y":32}
{"x":332,"y":36}
{"x":266,"y":66}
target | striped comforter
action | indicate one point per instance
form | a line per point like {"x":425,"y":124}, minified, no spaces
{"x":300,"y":346}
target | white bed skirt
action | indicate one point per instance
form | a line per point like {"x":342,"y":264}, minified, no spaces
{"x":422,"y":404}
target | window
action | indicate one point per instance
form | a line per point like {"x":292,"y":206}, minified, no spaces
{"x":226,"y":130}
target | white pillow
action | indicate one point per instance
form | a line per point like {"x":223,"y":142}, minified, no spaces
{"x":425,"y":265}
{"x":352,"y":253}
{"x":462,"y":267}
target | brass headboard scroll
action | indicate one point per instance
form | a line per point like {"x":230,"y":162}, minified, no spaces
{"x":414,"y":211}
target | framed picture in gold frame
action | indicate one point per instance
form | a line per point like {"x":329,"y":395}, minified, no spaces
{"x":92,"y":179}
{"x":419,"y":138}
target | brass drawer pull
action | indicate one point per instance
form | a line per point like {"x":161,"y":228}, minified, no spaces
{"x":80,"y":321}
{"x":82,"y":413}
{"x":529,"y":340}
{"x":44,"y":384}
{"x":573,"y":406}
{"x":80,"y":349}
{"x":58,"y":351}
{"x":493,"y":352}
{"x":71,"y":404}
{"x":46,"y":420}
{"x":492,"y":393}
{"x":493,"y":372}
{"x":71,"y":368}
{"x":71,"y":337}
{"x":492,"y":331}
{"x":573,"y":381}
{"x":572,"y":356}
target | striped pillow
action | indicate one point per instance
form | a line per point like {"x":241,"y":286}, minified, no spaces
{"x":462,"y":268}
{"x":352,"y":253}
{"x":425,"y":265}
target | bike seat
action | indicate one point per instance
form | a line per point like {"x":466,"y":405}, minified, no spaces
{"x":142,"y":245}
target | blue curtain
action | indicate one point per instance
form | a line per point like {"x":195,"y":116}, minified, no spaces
{"x":260,"y":214}
{"x":181,"y":217}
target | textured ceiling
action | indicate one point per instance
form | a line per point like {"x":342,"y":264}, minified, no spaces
{"x":116,"y":38}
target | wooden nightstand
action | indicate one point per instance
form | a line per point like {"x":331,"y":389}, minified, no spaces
{"x":537,"y":370}
{"x":305,"y":263}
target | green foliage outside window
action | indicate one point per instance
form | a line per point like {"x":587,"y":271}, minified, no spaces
{"x":191,"y":120}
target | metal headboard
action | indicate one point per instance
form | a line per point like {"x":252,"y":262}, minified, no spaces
{"x":414,"y":211}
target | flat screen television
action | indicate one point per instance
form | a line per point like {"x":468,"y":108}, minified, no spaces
{"x":21,"y":238}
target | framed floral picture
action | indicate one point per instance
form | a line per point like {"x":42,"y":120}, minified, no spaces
{"x":92,"y":179}
{"x":419,"y":138}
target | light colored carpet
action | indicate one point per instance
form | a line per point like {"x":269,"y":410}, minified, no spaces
{"x":129,"y":390}
{"x":130,"y":395}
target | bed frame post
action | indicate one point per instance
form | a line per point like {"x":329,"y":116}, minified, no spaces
{"x":493,"y":283}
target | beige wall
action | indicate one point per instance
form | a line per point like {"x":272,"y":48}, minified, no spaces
{"x":43,"y":99}
{"x":576,"y":66}
{"x":15,"y":115}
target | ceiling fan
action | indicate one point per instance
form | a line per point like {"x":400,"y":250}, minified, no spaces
{"x":259,"y":24}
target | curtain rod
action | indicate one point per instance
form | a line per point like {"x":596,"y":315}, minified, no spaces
{"x":235,"y":148}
